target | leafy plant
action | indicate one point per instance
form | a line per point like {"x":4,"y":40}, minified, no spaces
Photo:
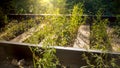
{"x":102,"y":60}
{"x":15,"y":28}
{"x":99,"y":36}
{"x":117,"y":27}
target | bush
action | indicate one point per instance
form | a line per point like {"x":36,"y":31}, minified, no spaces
{"x":99,"y":36}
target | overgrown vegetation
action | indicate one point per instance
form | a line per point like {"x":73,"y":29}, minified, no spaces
{"x":15,"y":28}
{"x":102,"y":60}
{"x":61,"y":31}
{"x":99,"y":36}
{"x":117,"y":27}
{"x":44,"y":57}
{"x":58,"y":30}
{"x":100,"y":40}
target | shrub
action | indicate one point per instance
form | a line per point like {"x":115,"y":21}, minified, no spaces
{"x":99,"y":36}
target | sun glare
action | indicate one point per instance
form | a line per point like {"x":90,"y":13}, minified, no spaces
{"x":45,"y":1}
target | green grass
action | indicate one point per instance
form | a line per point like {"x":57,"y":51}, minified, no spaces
{"x":15,"y":28}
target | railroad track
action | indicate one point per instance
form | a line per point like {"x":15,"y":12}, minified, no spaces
{"x":31,"y":31}
{"x":111,"y":18}
{"x":28,"y":34}
{"x":68,"y":56}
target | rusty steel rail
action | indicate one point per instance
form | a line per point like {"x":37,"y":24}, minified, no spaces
{"x":67,"y":56}
{"x":111,"y":18}
{"x":59,"y":15}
